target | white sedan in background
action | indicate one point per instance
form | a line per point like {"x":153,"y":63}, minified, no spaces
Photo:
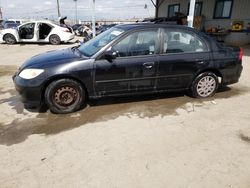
{"x":37,"y":31}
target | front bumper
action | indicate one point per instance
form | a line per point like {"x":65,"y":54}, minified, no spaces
{"x":1,"y":38}
{"x":30,"y":92}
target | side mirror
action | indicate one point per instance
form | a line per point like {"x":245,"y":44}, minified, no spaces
{"x":110,"y":55}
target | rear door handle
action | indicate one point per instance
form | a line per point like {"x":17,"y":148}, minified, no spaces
{"x":148,"y":65}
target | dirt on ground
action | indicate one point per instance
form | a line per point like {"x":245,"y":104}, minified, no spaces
{"x":165,"y":140}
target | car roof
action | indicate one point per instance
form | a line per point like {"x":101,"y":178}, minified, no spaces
{"x":152,"y":25}
{"x":42,"y":21}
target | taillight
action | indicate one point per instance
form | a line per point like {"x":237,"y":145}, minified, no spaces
{"x":241,"y":54}
{"x":66,"y":30}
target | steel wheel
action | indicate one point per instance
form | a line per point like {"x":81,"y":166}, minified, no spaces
{"x":206,"y":86}
{"x":64,"y":96}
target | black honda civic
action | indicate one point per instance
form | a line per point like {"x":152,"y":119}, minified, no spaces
{"x":127,"y":60}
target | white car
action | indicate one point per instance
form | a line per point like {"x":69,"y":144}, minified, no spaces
{"x":37,"y":31}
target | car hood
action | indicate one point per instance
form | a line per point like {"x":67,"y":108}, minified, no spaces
{"x":52,"y":58}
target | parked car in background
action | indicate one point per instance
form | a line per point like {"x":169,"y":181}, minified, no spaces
{"x":85,"y":31}
{"x":80,"y":30}
{"x":76,"y":26}
{"x":1,"y":24}
{"x":4,"y":24}
{"x":10,"y":25}
{"x":127,"y":60}
{"x":37,"y":31}
{"x":17,"y":21}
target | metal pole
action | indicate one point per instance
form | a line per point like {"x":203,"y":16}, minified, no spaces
{"x":93,"y":19}
{"x":156,"y":8}
{"x":58,"y":9}
{"x":1,"y":14}
{"x":190,"y":17}
{"x":76,"y":10}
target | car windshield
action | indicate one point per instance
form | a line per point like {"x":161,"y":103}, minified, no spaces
{"x":93,"y":46}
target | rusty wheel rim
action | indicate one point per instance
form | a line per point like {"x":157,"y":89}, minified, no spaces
{"x":66,"y":96}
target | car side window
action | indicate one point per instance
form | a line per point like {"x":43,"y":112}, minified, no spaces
{"x":137,"y":44}
{"x":29,"y":26}
{"x":176,"y":41}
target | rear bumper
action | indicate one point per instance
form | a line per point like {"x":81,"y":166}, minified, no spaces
{"x":68,"y":38}
{"x":232,"y":76}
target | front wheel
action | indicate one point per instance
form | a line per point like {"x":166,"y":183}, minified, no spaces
{"x":9,"y":39}
{"x":64,"y":96}
{"x":204,"y":85}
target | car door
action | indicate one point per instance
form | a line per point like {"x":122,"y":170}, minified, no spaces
{"x":27,"y":32}
{"x":134,"y":69}
{"x":183,"y":54}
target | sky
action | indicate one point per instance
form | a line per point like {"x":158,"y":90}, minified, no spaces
{"x":105,"y":9}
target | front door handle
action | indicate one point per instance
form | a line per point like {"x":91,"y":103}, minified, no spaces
{"x":148,"y":65}
{"x":201,"y":61}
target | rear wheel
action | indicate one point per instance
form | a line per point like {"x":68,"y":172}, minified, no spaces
{"x":205,"y":85}
{"x":9,"y":39}
{"x":54,"y":39}
{"x":64,"y":96}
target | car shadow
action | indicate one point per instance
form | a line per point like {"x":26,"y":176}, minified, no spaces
{"x":102,"y":110}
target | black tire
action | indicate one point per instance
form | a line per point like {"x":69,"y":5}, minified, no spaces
{"x":204,"y":85}
{"x":54,"y":39}
{"x":9,"y":39}
{"x":64,"y":96}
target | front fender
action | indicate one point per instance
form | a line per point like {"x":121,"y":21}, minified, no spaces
{"x":13,"y":32}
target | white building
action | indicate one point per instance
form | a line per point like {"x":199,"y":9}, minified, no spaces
{"x":216,"y":14}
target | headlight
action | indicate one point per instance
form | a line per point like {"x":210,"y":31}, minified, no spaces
{"x":30,"y":73}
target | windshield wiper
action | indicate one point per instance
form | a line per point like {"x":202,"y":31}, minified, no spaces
{"x":75,"y":48}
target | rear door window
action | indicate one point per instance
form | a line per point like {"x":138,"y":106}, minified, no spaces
{"x":177,"y":41}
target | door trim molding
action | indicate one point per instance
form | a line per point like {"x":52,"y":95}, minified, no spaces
{"x":145,"y":78}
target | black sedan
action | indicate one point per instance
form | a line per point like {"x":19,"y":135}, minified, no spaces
{"x":128,"y":60}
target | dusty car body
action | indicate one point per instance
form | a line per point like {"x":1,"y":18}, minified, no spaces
{"x":128,"y":60}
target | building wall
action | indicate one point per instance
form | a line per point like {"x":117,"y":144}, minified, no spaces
{"x":240,"y":11}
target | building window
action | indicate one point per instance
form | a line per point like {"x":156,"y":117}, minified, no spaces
{"x":172,"y":9}
{"x":223,"y":9}
{"x":197,"y":9}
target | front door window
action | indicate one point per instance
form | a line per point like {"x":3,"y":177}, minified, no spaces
{"x":137,"y":44}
